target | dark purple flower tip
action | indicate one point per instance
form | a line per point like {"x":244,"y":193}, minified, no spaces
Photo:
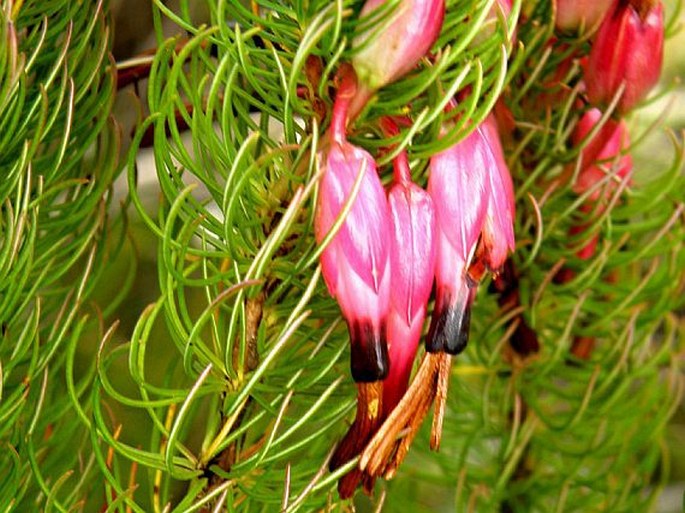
{"x":369,"y":360}
{"x":450,"y":324}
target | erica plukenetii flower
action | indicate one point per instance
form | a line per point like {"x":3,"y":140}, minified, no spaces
{"x":459,"y":184}
{"x":582,"y":15}
{"x":628,"y":51}
{"x":356,"y":262}
{"x":394,"y":45}
{"x":412,"y":264}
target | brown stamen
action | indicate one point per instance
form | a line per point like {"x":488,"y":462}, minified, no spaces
{"x":442,"y":384}
{"x":383,"y":454}
{"x":366,"y":422}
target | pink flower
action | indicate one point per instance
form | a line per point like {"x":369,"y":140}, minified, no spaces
{"x":459,"y":184}
{"x":395,"y":45}
{"x":628,"y":49}
{"x":505,"y":5}
{"x":474,"y":197}
{"x":585,"y":15}
{"x":356,"y":262}
{"x":412,"y":264}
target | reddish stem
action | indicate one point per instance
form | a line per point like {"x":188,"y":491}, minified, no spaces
{"x":401,"y":170}
{"x":361,"y":98}
{"x":583,"y":346}
{"x":347,"y":88}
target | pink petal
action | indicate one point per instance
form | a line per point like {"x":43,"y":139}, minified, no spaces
{"x":498,"y":232}
{"x":460,"y":188}
{"x":403,"y":341}
{"x":364,"y":238}
{"x":627,"y":49}
{"x":412,"y":259}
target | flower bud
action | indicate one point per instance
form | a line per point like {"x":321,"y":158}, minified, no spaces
{"x":460,"y":188}
{"x":583,"y":15}
{"x":628,"y":50}
{"x":395,"y":45}
{"x":412,"y":265}
{"x":356,"y":262}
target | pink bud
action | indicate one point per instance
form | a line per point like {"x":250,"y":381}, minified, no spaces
{"x":628,"y":49}
{"x":498,"y":232}
{"x":605,"y":153}
{"x":460,"y":187}
{"x":395,"y":45}
{"x":412,"y":264}
{"x":583,"y":15}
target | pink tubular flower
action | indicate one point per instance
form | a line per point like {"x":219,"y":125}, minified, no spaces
{"x":583,"y":15}
{"x":356,"y":262}
{"x":394,"y":45}
{"x":412,"y":264}
{"x":628,"y":49}
{"x":460,"y":188}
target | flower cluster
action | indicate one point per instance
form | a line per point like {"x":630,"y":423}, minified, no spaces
{"x":623,"y":65}
{"x":384,"y":251}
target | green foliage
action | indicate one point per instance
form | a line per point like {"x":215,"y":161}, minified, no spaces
{"x":58,"y":156}
{"x":234,"y":385}
{"x":235,"y":235}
